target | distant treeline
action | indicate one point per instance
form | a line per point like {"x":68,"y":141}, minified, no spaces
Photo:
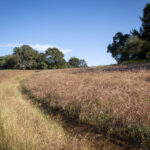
{"x":133,"y":46}
{"x":25,"y":57}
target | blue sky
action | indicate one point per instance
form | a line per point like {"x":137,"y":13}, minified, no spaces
{"x":81,"y":28}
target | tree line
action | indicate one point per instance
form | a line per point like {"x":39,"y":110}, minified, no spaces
{"x":25,"y":57}
{"x":133,"y":46}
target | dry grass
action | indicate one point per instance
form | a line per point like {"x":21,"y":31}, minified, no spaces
{"x":115,"y":102}
{"x":23,"y":126}
{"x":5,"y":74}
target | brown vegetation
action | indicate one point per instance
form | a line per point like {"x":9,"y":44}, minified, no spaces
{"x":5,"y":74}
{"x":117,"y":103}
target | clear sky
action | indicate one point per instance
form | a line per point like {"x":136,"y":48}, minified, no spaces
{"x":81,"y":28}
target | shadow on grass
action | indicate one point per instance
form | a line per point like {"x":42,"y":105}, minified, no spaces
{"x":73,"y":126}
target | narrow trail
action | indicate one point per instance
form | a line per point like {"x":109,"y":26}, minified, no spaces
{"x":28,"y":127}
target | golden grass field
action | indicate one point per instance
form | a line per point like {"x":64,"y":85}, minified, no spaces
{"x":105,"y":108}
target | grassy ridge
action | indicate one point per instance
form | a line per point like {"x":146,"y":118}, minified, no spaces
{"x":116,"y":103}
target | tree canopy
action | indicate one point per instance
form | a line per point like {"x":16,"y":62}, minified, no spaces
{"x":118,"y":47}
{"x":55,"y":58}
{"x":74,"y":62}
{"x":25,"y":57}
{"x":135,"y":45}
{"x":145,"y":29}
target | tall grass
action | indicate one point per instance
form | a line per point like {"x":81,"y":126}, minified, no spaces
{"x":6,"y":74}
{"x":117,"y":103}
{"x":24,"y":127}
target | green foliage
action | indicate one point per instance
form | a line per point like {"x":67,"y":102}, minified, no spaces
{"x":7,"y":62}
{"x":74,"y":62}
{"x":145,"y":49}
{"x":145,"y":29}
{"x":134,"y":32}
{"x":148,"y":55}
{"x":55,"y":58}
{"x":42,"y":61}
{"x":2,"y":62}
{"x":82,"y":63}
{"x":134,"y":46}
{"x":25,"y":57}
{"x":118,"y":47}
